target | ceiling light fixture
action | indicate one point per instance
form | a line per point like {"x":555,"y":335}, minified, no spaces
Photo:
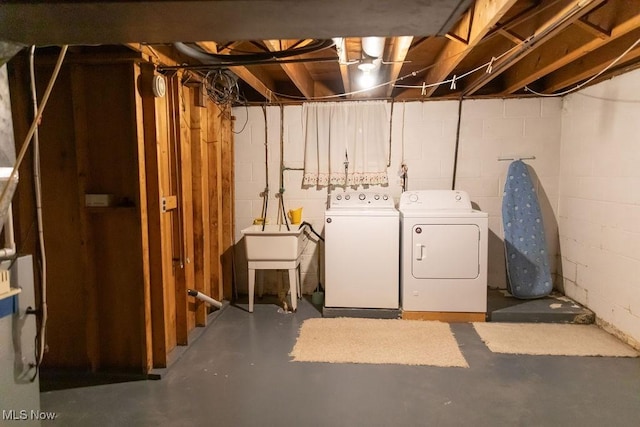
{"x":368,"y":64}
{"x":367,"y":80}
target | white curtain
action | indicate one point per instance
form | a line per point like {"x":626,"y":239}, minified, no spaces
{"x":345,"y":143}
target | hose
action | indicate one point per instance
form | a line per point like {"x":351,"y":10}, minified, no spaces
{"x":265,"y":194}
{"x":303,"y":223}
{"x":281,"y":202}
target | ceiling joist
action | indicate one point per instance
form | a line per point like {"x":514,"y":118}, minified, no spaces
{"x":579,"y":71}
{"x":483,"y":16}
{"x":260,"y":83}
{"x":562,"y":51}
{"x":554,"y":24}
{"x":298,"y":72}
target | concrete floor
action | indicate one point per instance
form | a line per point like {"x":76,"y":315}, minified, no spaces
{"x":238,"y":373}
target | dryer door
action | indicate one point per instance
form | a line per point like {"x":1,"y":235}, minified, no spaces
{"x":445,"y":251}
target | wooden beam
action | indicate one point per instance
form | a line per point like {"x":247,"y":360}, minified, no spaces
{"x":573,"y":45}
{"x":593,"y":29}
{"x":398,"y":54}
{"x":483,"y":16}
{"x":510,"y":35}
{"x":200,"y":180}
{"x":147,"y":345}
{"x":260,"y":83}
{"x":152,"y":55}
{"x":588,"y":66}
{"x":297,"y":72}
{"x":228,"y":202}
{"x":553,"y":24}
{"x":214,"y":158}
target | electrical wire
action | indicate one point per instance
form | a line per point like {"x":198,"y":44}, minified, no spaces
{"x":37,"y":185}
{"x":246,"y":119}
{"x":41,"y":336}
{"x":586,"y":82}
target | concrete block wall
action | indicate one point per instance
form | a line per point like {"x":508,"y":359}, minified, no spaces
{"x":423,"y":135}
{"x":599,"y":211}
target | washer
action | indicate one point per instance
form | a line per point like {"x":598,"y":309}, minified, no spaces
{"x":443,"y":253}
{"x":362,"y":235}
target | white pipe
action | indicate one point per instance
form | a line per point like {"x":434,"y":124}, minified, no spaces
{"x":9,"y":249}
{"x":7,"y":192}
{"x":38,"y":202}
{"x":204,"y":298}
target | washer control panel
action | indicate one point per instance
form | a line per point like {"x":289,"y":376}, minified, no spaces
{"x":360,"y":199}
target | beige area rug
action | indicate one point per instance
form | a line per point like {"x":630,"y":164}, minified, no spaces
{"x":551,"y":339}
{"x":377,"y":341}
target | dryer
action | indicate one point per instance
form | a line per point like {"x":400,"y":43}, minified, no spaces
{"x":362,"y":239}
{"x":443,"y":253}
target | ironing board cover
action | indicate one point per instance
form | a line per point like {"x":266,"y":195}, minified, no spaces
{"x":527,"y":260}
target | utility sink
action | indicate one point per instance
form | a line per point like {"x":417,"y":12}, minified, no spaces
{"x":274,"y":248}
{"x":275,"y":243}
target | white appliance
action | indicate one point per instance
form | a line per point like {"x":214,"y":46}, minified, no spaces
{"x":362,"y":239}
{"x":443,"y":252}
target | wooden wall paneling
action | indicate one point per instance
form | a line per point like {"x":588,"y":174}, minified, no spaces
{"x":64,"y":243}
{"x":141,"y":206}
{"x":226,"y":138}
{"x":187,"y":196}
{"x":214,"y":156}
{"x":80,"y":124}
{"x":201,"y":237}
{"x":113,"y":234}
{"x":183,"y":215}
{"x":165,"y":161}
{"x":158,"y":222}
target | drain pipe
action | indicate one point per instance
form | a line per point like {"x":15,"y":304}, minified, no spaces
{"x":455,"y":155}
{"x":9,"y":249}
{"x":205,"y":298}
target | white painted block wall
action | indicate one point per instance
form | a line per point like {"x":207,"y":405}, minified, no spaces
{"x":424,"y":135}
{"x":599,"y":212}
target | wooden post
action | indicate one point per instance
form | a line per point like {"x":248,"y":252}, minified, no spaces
{"x":201,"y":237}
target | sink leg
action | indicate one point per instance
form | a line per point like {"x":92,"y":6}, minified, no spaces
{"x":293,"y":286}
{"x":252,"y":287}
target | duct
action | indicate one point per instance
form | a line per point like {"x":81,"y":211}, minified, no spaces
{"x":198,"y":53}
{"x":8,"y":50}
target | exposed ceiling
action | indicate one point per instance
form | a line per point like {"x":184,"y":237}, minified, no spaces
{"x":312,"y":49}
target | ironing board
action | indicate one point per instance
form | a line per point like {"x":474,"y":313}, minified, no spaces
{"x":528,"y":272}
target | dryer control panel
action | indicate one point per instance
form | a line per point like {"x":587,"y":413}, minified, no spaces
{"x":426,"y":200}
{"x":360,"y":200}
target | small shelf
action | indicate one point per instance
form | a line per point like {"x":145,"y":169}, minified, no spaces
{"x":12,"y":292}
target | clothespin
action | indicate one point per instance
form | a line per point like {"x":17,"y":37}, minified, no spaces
{"x":423,"y":92}
{"x":453,"y":82}
{"x":490,"y":67}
